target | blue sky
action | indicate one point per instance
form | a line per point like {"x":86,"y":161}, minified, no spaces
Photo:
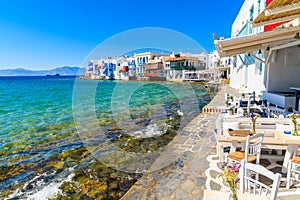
{"x":40,"y":34}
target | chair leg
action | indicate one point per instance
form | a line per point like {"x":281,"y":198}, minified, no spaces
{"x":226,"y":159}
{"x":289,"y":175}
{"x":220,"y":151}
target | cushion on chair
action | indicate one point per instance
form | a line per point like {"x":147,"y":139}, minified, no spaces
{"x":296,"y":160}
{"x":240,"y":155}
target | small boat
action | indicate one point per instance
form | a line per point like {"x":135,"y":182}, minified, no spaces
{"x":53,"y":75}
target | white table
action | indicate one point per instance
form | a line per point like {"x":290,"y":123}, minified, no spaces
{"x":269,"y":142}
{"x":227,"y":115}
{"x":224,"y":195}
{"x":292,"y":143}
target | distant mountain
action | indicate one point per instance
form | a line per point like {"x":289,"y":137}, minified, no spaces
{"x":63,"y":71}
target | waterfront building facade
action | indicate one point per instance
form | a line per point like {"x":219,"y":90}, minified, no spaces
{"x":267,"y":55}
{"x":155,"y":68}
{"x":147,"y":65}
{"x":177,"y":65}
{"x":143,"y":58}
{"x":247,"y":73}
{"x":219,"y":66}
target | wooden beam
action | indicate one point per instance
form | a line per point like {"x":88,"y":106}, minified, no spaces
{"x":258,"y":42}
{"x":282,"y":9}
{"x":257,"y":58}
{"x":281,"y":19}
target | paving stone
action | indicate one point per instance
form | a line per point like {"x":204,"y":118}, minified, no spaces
{"x":213,"y":139}
{"x":264,"y":162}
{"x":204,"y":134}
{"x":188,"y":186}
{"x":184,"y":133}
{"x":186,"y":146}
{"x":196,"y":148}
{"x":202,"y":165}
{"x":197,"y":194}
{"x":196,"y":137}
{"x":214,"y":186}
{"x":200,"y":181}
{"x":180,"y":194}
{"x":187,"y":156}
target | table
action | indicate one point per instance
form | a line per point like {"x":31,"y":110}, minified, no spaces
{"x":269,"y":142}
{"x":235,"y":115}
{"x":225,"y":195}
{"x":292,"y":143}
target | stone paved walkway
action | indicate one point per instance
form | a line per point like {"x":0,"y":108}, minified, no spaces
{"x":185,"y":177}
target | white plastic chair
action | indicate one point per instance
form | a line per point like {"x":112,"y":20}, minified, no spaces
{"x":293,"y":171}
{"x":253,"y":186}
{"x":252,"y":150}
{"x":240,"y":111}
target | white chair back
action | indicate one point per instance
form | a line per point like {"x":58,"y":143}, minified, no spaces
{"x":254,"y":149}
{"x":253,"y":185}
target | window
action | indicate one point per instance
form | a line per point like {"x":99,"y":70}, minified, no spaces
{"x":234,"y":61}
{"x":251,"y":13}
{"x":258,"y":7}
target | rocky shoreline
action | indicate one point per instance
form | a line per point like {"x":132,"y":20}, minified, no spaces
{"x":185,"y":177}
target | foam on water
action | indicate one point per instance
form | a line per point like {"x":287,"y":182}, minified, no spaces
{"x":50,"y":190}
{"x":148,"y":131}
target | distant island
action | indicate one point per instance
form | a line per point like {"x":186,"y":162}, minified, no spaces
{"x":61,"y":71}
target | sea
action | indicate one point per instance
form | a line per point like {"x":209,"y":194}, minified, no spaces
{"x":57,"y":132}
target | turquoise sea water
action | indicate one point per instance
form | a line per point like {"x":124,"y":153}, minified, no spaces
{"x":40,"y":146}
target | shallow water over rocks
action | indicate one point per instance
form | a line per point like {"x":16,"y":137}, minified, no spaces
{"x":43,"y":150}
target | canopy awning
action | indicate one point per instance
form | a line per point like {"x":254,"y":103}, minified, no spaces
{"x":255,"y":42}
{"x":278,"y":11}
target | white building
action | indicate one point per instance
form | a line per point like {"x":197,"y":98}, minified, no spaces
{"x":214,"y":60}
{"x":247,"y":73}
{"x":143,"y":58}
{"x":219,"y":66}
{"x":271,"y":38}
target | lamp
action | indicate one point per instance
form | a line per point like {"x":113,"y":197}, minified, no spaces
{"x":259,"y":52}
{"x":268,"y":48}
{"x":297,"y":36}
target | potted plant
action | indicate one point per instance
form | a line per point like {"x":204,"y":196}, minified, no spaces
{"x":253,"y":117}
{"x":293,"y":118}
{"x":231,"y":110}
{"x":227,"y":103}
{"x":230,"y":176}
